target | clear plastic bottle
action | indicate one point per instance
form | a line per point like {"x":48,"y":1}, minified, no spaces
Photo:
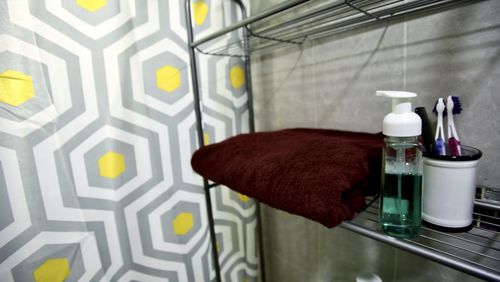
{"x":401,"y":195}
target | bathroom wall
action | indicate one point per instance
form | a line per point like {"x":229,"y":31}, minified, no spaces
{"x":331,"y":84}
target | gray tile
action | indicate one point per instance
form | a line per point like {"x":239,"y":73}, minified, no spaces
{"x":458,"y":53}
{"x":414,"y":268}
{"x":260,"y":6}
{"x":283,"y":96}
{"x":343,"y":255}
{"x":282,"y":270}
{"x":291,"y":238}
{"x":332,"y":84}
{"x":348,"y":72}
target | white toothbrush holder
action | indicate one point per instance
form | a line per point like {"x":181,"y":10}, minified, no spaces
{"x":449,"y":185}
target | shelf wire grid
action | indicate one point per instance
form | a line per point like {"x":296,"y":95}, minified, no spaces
{"x":476,"y":251}
{"x":311,"y":20}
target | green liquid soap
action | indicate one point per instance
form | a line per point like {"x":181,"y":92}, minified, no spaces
{"x":400,"y":207}
{"x":401,"y":193}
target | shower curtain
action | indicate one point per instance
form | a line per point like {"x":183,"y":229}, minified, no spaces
{"x":97,"y":129}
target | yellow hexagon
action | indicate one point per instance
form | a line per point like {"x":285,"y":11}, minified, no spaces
{"x":243,"y":198}
{"x":168,"y":78}
{"x":182,"y":223}
{"x":237,"y":75}
{"x":52,"y":270}
{"x":206,"y":138}
{"x":91,"y":5}
{"x":200,"y":12}
{"x":111,"y":165}
{"x":15,"y":88}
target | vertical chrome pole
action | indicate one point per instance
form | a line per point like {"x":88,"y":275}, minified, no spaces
{"x":199,"y":130}
{"x":251,"y":125}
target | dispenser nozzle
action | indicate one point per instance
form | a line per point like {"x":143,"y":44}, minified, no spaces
{"x":402,"y":121}
{"x":399,"y":104}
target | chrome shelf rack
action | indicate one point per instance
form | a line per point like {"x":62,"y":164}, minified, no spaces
{"x":294,"y":22}
{"x":297,"y":21}
{"x":476,"y":251}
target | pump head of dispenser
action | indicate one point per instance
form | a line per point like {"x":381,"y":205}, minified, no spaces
{"x":402,"y":121}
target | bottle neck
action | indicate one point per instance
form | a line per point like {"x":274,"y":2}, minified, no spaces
{"x":406,"y":139}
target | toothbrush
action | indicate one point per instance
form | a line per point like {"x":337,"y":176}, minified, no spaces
{"x":453,"y":107}
{"x":439,"y":149}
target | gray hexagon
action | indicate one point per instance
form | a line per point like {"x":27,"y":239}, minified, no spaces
{"x":72,"y":252}
{"x":235,"y":62}
{"x":243,"y":276}
{"x":109,"y":10}
{"x":41,"y":86}
{"x":219,"y":238}
{"x":207,"y":23}
{"x":5,"y":208}
{"x":210,"y":131}
{"x":168,"y":217}
{"x":193,"y":134}
{"x":91,"y":163}
{"x":235,"y":197}
{"x":149,"y":71}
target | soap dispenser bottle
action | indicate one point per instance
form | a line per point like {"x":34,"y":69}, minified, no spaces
{"x":401,"y":189}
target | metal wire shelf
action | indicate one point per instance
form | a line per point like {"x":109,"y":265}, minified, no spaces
{"x":476,"y":252}
{"x":295,"y":22}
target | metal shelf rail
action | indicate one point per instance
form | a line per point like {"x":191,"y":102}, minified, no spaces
{"x":476,"y":252}
{"x":200,"y":133}
{"x":294,"y":22}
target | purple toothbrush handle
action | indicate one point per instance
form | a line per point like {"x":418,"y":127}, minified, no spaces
{"x":454,"y":144}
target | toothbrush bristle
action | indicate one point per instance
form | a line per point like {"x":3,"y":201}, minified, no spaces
{"x":434,"y":109}
{"x":457,"y":106}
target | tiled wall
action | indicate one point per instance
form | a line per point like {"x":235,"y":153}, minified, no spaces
{"x":332,"y":83}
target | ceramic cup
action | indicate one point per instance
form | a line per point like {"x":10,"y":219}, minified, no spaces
{"x":449,"y":185}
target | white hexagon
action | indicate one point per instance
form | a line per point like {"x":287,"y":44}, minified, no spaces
{"x":198,"y":262}
{"x":225,"y":232}
{"x":55,"y":209}
{"x":221,"y":82}
{"x":135,"y":235}
{"x":252,"y":254}
{"x":16,"y":196}
{"x":176,"y":18}
{"x":226,"y":200}
{"x":132,"y":275}
{"x":188,"y":175}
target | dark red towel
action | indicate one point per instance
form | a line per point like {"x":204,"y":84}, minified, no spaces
{"x":320,"y":174}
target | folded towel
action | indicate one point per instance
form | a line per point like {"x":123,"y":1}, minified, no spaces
{"x":320,"y":174}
